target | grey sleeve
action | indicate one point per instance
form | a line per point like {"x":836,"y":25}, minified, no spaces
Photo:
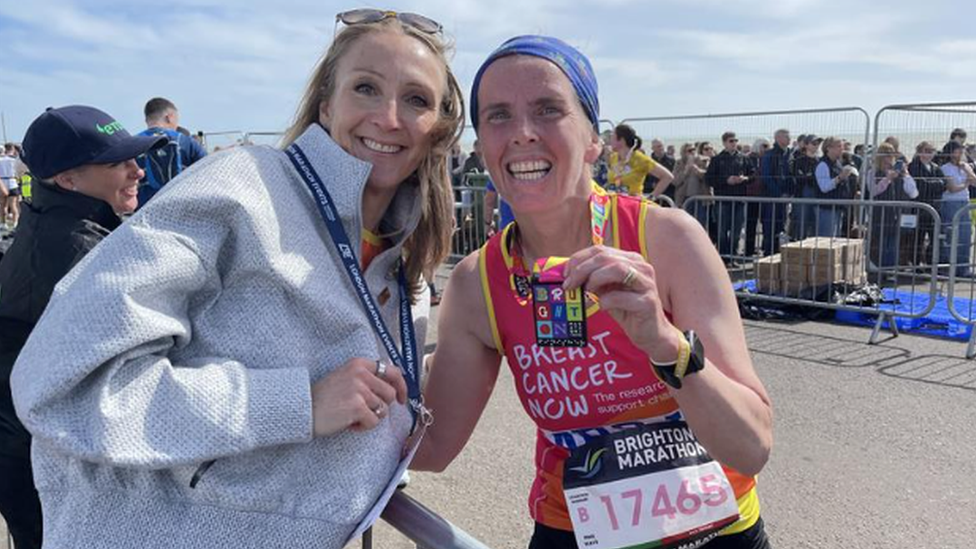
{"x":95,"y":379}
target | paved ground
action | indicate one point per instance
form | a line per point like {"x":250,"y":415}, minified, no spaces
{"x":873,"y":447}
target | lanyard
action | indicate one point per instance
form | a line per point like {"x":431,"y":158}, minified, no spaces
{"x":407,"y":361}
{"x":599,"y":202}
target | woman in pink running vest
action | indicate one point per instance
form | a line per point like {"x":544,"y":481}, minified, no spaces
{"x":618,"y":322}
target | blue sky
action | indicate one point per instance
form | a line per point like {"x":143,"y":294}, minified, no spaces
{"x":242,"y":64}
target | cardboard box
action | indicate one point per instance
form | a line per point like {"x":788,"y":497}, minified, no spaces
{"x":768,"y":273}
{"x":812,"y":263}
{"x":796,"y":273}
{"x":768,"y":267}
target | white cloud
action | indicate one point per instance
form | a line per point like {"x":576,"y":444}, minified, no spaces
{"x":244,"y":64}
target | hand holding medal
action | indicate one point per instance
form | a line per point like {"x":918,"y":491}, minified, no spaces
{"x":626,"y":287}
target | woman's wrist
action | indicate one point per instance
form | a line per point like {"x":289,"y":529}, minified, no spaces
{"x":666,"y":348}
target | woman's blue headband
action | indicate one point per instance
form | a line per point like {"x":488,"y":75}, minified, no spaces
{"x":574,"y":65}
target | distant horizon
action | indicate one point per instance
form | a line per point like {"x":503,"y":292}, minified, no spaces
{"x":244,"y":66}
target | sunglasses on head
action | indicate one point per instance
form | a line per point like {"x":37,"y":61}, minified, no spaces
{"x":366,"y":16}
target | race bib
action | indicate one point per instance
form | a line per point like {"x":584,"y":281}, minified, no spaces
{"x":650,"y":486}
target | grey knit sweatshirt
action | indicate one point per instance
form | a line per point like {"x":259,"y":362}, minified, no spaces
{"x":194,"y":333}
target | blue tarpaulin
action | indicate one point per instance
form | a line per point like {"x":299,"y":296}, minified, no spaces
{"x":939,"y":322}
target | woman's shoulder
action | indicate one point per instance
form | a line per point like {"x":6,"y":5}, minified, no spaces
{"x":672,"y":234}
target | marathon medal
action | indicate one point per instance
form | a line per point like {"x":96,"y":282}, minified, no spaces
{"x":651,"y":486}
{"x":560,"y":314}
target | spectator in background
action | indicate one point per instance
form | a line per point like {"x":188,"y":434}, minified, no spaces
{"x":662,"y":158}
{"x":689,"y":182}
{"x":492,"y":201}
{"x":727,"y":175}
{"x":960,"y":178}
{"x":706,"y":152}
{"x":777,"y":182}
{"x":856,"y":156}
{"x":456,"y":165}
{"x":629,"y":166}
{"x":848,"y":158}
{"x":601,"y":168}
{"x":11,"y":186}
{"x":670,"y":151}
{"x":804,"y":220}
{"x":834,"y":182}
{"x":180,"y":152}
{"x":799,"y":149}
{"x":931,"y":184}
{"x":754,"y":187}
{"x":896,"y":144}
{"x":889,"y":180}
{"x":473,"y":163}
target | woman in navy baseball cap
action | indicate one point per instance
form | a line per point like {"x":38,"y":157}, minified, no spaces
{"x":83,"y":149}
{"x":85,"y":161}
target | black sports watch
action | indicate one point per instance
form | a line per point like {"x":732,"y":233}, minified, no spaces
{"x":691,"y":359}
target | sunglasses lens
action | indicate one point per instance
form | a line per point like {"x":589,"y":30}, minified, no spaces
{"x":421,"y":23}
{"x":360,"y":16}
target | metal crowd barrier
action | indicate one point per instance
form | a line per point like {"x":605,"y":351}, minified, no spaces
{"x":850,"y":123}
{"x":262,"y":138}
{"x":932,"y":122}
{"x":470,"y":227}
{"x":961,"y":273}
{"x":422,"y":526}
{"x":470,"y":217}
{"x":836,"y":247}
{"x":663,"y":200}
{"x":214,"y":140}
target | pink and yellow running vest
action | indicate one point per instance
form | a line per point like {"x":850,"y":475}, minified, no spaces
{"x":575,"y":394}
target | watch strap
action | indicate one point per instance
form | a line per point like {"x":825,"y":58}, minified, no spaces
{"x":687,"y":363}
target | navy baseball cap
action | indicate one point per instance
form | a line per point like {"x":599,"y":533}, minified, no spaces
{"x":73,"y":136}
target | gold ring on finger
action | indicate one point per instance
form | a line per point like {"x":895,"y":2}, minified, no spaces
{"x":629,"y":278}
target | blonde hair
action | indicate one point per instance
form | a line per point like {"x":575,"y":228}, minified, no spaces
{"x":885,"y":150}
{"x":430,"y":243}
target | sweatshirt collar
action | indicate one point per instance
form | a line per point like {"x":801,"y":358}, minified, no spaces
{"x":345,"y":177}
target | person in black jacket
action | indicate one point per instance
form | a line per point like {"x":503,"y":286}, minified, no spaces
{"x":931,"y":184}
{"x":727,"y":174}
{"x":777,"y":182}
{"x":659,"y":155}
{"x":804,"y":217}
{"x":84,"y":163}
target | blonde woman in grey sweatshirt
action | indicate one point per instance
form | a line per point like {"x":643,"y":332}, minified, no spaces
{"x":207,"y":376}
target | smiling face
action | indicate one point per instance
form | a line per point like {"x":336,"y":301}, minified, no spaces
{"x":388,"y":87}
{"x":116,"y":184}
{"x":535,"y":139}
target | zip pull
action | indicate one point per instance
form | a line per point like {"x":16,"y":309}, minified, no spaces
{"x":200,"y":472}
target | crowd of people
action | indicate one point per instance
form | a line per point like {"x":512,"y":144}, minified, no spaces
{"x":810,"y":167}
{"x":226,"y":355}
